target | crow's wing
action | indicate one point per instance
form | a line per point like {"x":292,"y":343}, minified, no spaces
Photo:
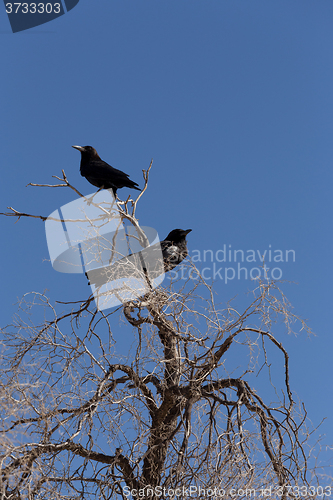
{"x":99,"y":170}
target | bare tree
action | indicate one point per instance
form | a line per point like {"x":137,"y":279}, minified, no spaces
{"x":167,"y":418}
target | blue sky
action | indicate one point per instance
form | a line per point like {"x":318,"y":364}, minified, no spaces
{"x":232,"y":99}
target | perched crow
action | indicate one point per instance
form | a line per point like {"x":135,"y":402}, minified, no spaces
{"x":101,"y":174}
{"x":174,"y":248}
{"x":148,"y":260}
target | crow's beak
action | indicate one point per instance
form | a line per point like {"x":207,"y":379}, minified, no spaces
{"x":80,"y":148}
{"x":187,"y":231}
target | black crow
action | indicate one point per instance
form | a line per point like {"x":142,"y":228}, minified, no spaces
{"x":174,"y":251}
{"x":101,"y":174}
{"x":174,"y":248}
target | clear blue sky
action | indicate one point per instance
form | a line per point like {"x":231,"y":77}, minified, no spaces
{"x":234,"y":101}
